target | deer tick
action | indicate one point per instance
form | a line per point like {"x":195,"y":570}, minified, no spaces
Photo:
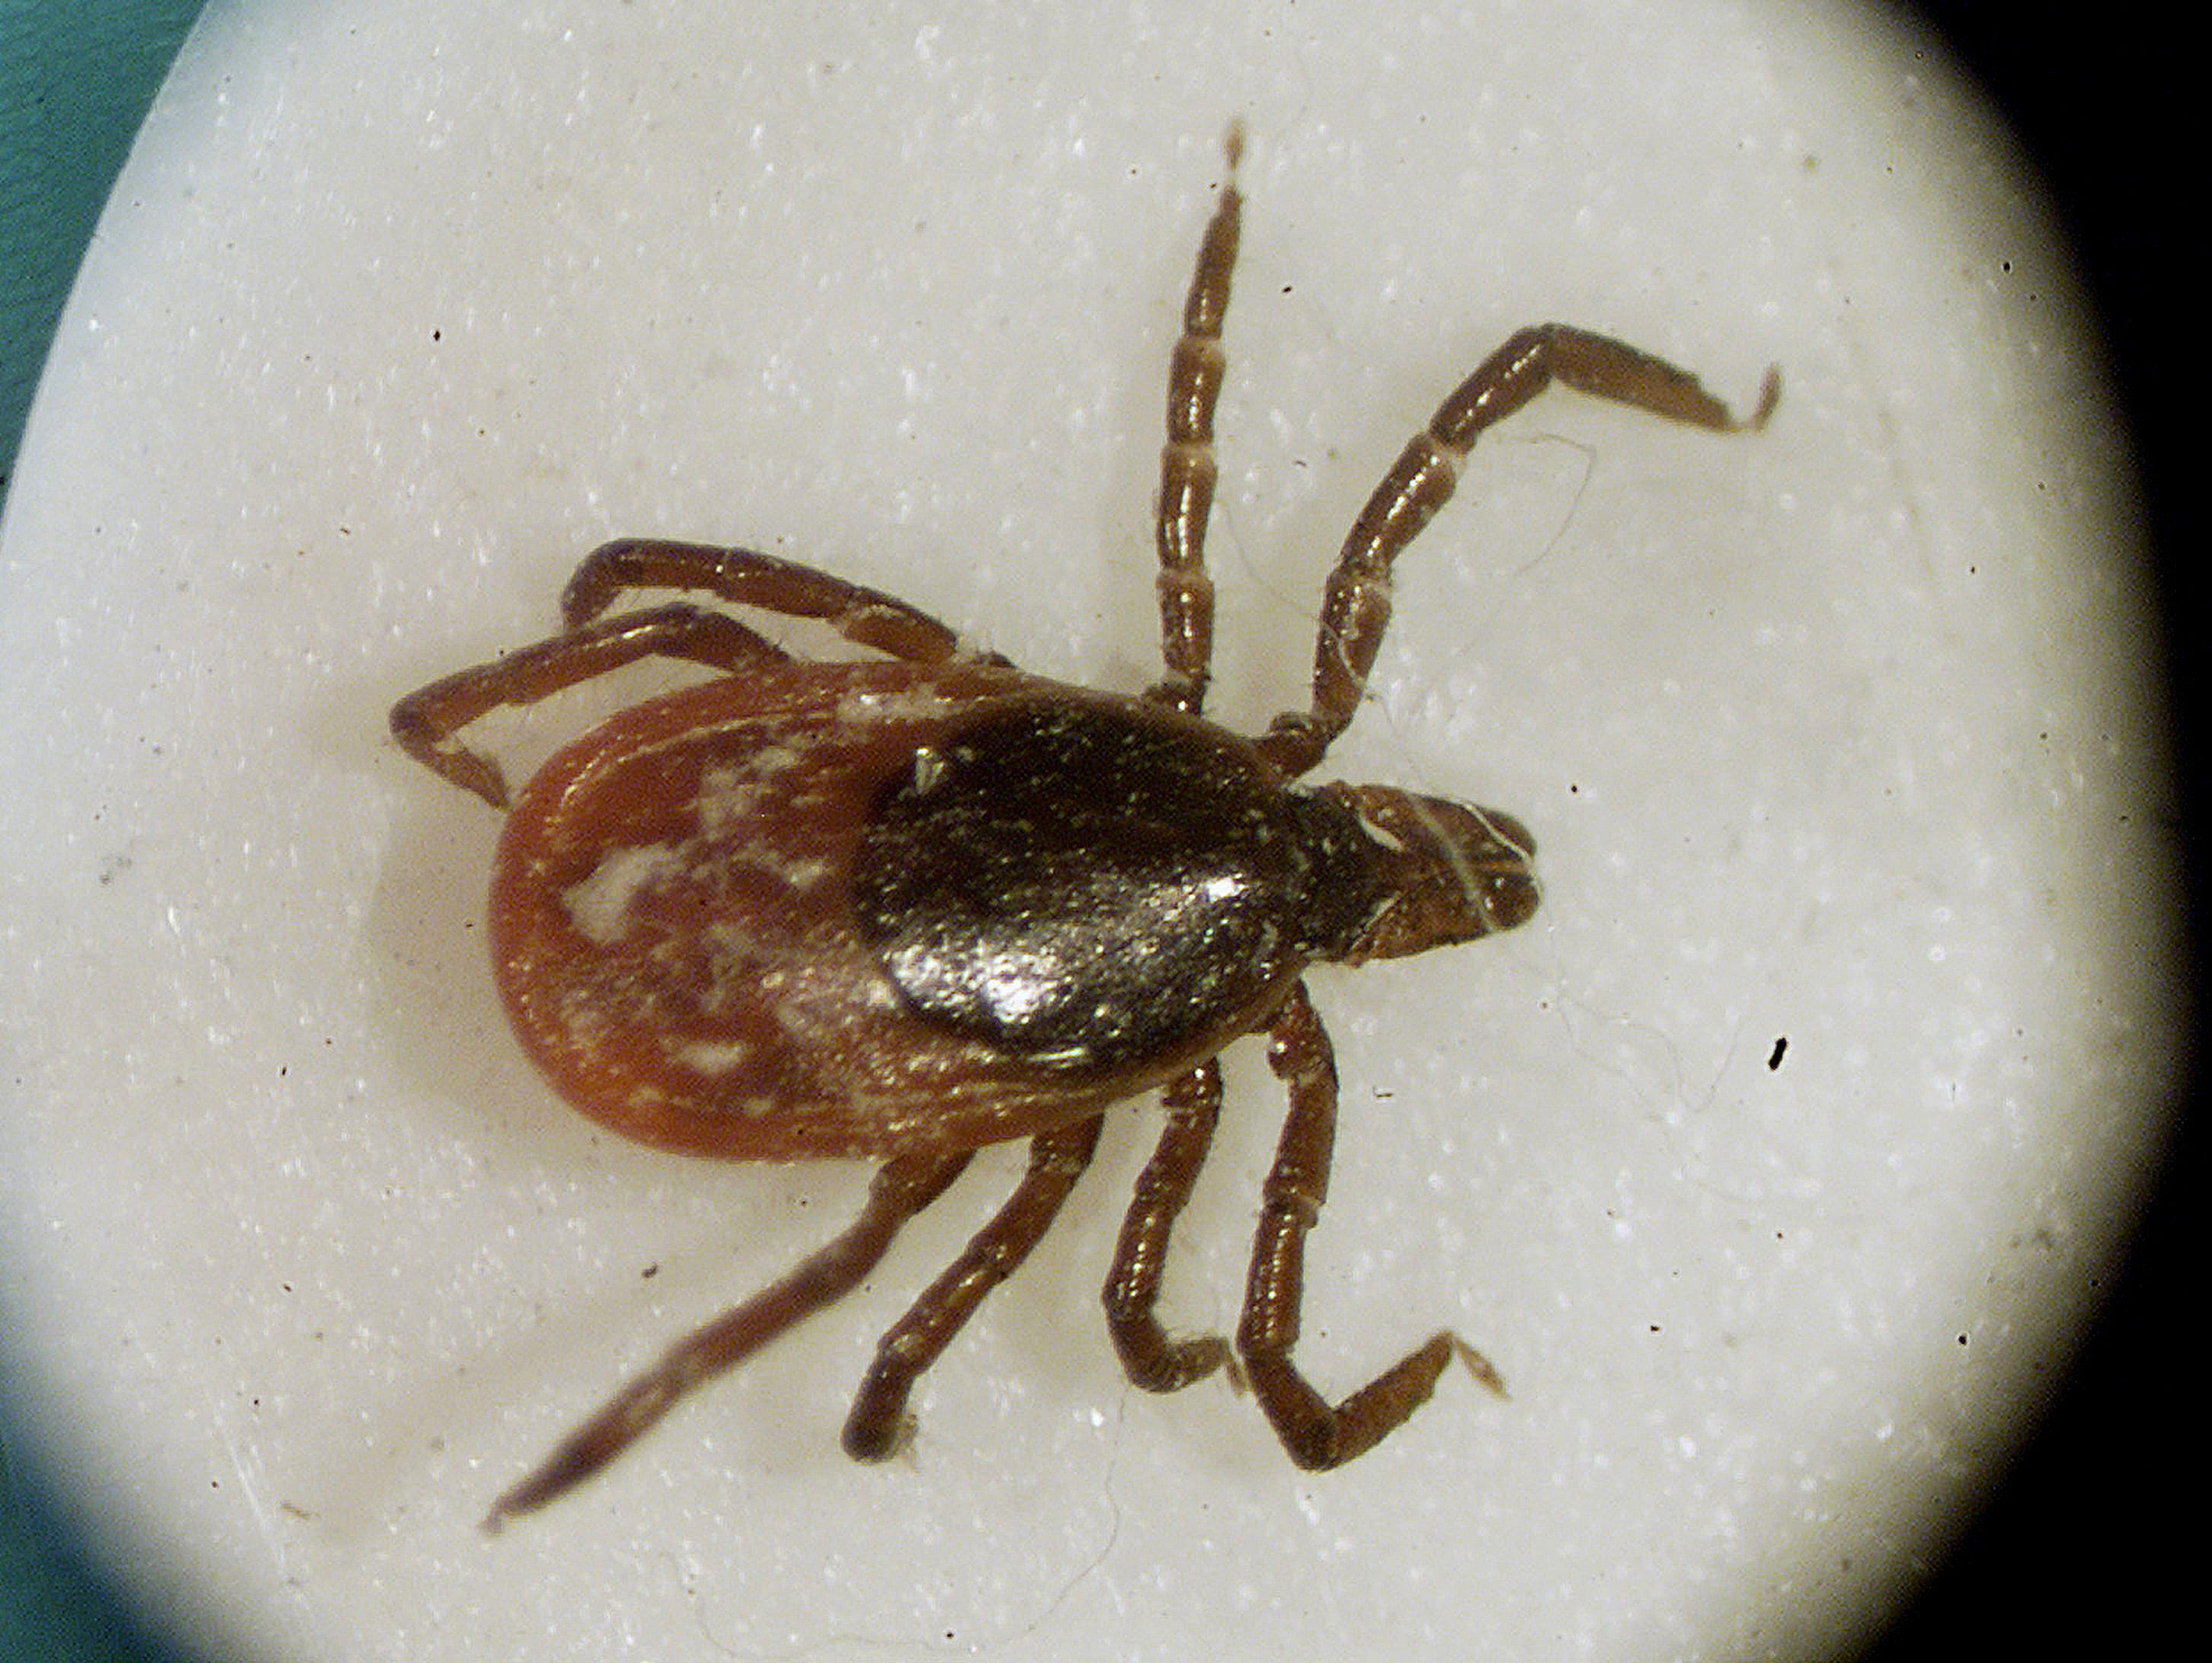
{"x":909,"y":904}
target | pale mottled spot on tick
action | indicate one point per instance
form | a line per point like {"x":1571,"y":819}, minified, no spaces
{"x":599,"y":906}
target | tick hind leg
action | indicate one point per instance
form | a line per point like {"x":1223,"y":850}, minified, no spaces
{"x":1356,"y":603}
{"x":879,"y":1423}
{"x":425,"y":722}
{"x":1187,"y":465}
{"x":902,"y":1189}
{"x":1316,"y":1433}
{"x":866,"y":617}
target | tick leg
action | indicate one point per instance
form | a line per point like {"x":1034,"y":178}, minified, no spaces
{"x":1356,"y":603}
{"x":1133,"y":1287}
{"x":866,"y":617}
{"x":424,"y":722}
{"x":879,"y":1423}
{"x":1186,"y":467}
{"x":1315,"y":1433}
{"x":902,"y":1189}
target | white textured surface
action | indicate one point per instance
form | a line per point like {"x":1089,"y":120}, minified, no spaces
{"x":1837,"y":734}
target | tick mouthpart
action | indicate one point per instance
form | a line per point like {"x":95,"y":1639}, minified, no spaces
{"x":1451,"y":871}
{"x":1487,"y":853}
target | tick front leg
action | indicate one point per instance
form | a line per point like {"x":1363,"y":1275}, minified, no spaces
{"x":879,"y":1423}
{"x":866,"y":617}
{"x":424,"y":722}
{"x":1187,"y":465}
{"x":1356,"y":604}
{"x":1316,"y":1435}
{"x":902,"y":1189}
{"x":1152,"y":1361}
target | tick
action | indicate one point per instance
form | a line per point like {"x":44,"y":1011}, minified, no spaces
{"x":903,"y":905}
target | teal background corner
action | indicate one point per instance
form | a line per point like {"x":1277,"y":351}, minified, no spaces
{"x":76,"y":79}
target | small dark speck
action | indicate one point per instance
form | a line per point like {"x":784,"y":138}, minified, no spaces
{"x":1774,"y":1057}
{"x":650,"y":1271}
{"x":437,"y":334}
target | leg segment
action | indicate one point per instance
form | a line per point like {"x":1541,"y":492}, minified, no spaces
{"x":1186,"y":467}
{"x":1315,"y":1433}
{"x":867,"y":617}
{"x":424,"y":722}
{"x":1356,"y":605}
{"x":879,"y":1423}
{"x":902,"y":1189}
{"x":1133,"y":1287}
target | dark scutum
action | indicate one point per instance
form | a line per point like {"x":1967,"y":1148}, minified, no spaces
{"x":1086,"y":883}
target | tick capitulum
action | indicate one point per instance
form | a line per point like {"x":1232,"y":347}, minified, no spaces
{"x":907,"y":906}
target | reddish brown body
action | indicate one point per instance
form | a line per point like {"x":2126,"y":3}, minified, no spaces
{"x":906,"y":906}
{"x":674,"y":932}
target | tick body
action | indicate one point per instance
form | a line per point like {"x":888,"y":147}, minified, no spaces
{"x":904,"y":906}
